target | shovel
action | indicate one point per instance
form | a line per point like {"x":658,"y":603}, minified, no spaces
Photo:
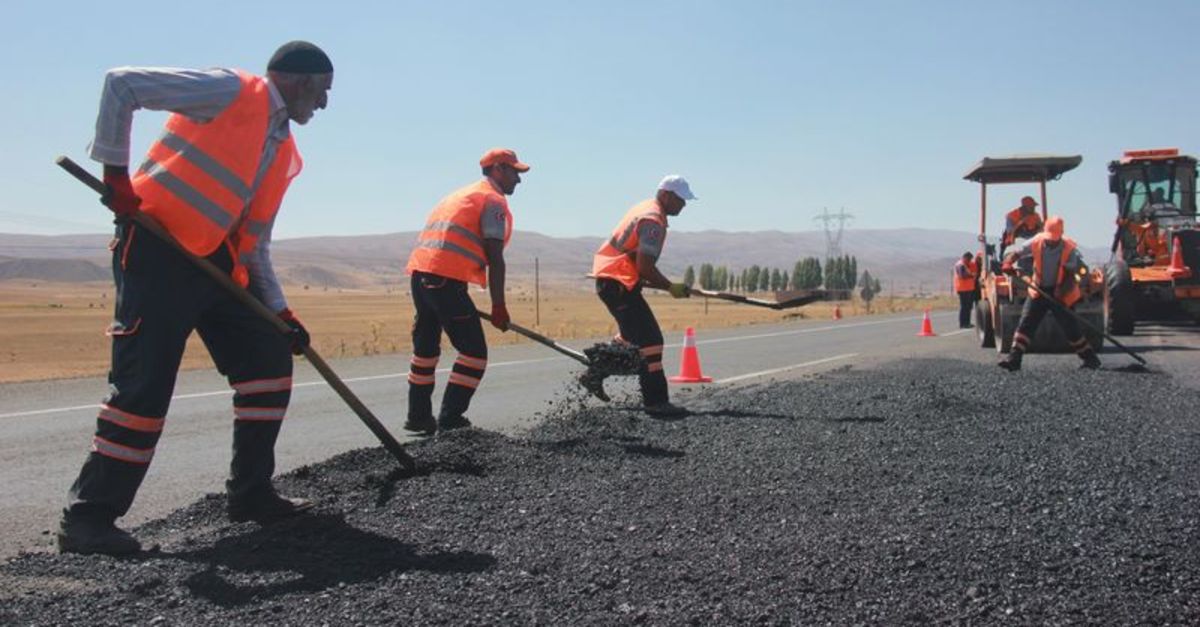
{"x":246,"y":298}
{"x":796,"y":301}
{"x":597,"y":370}
{"x":1057,"y":304}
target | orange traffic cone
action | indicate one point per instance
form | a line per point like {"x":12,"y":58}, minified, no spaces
{"x":1177,"y":270}
{"x":689,"y":362}
{"x":837,"y":312}
{"x":926,"y":327}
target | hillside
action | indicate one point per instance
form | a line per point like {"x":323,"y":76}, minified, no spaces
{"x":906,"y":260}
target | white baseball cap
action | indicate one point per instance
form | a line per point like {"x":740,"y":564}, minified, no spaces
{"x":678,"y":185}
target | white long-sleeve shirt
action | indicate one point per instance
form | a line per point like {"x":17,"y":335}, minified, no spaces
{"x":200,"y":95}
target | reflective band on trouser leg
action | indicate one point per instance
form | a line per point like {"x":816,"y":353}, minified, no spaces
{"x":1020,"y":341}
{"x":126,"y":436}
{"x":421,"y":370}
{"x":261,"y":400}
{"x":467,"y":371}
{"x":123,"y":453}
{"x":653,"y":356}
{"x":1081,"y":345}
{"x":464,"y":378}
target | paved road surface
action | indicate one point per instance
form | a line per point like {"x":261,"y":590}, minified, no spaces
{"x":48,"y":425}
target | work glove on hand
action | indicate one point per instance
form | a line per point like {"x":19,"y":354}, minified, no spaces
{"x":1008,"y":268}
{"x":120,"y":197}
{"x":298,"y":336}
{"x":679,"y":290}
{"x":500,"y":317}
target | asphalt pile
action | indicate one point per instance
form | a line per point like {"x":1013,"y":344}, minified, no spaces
{"x":941,"y":491}
{"x":606,"y":359}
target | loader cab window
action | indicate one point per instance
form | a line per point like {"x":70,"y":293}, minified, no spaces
{"x":1159,"y":191}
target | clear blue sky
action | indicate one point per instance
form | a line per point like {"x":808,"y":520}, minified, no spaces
{"x":772,"y":110}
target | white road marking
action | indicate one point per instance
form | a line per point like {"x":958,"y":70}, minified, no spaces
{"x":835,"y":327}
{"x":305,"y":384}
{"x":958,"y":332}
{"x":763,"y":373}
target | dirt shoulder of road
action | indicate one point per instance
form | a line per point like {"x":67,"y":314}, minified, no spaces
{"x":56,"y":331}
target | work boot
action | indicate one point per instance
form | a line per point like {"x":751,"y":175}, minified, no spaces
{"x":1090,"y":360}
{"x":452,"y":421}
{"x":267,"y":508}
{"x":424,"y":425}
{"x":1012,"y":363}
{"x":666,"y":410}
{"x":86,"y":536}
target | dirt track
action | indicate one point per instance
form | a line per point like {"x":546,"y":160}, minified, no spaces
{"x":936,"y":491}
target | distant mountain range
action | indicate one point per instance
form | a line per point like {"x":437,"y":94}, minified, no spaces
{"x":905,"y":260}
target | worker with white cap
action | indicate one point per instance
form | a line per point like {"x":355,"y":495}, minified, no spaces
{"x":625,"y":263}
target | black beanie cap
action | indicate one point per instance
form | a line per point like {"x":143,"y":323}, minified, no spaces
{"x":300,"y":57}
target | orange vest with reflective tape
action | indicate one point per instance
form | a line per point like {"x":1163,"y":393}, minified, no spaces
{"x":451,"y":245}
{"x":1030,"y":222}
{"x":1065,"y":290}
{"x":617,"y":257}
{"x":967,"y":284}
{"x":197,"y":178}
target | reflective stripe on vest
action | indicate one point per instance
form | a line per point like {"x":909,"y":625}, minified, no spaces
{"x":198,"y":179}
{"x":452,"y":243}
{"x":617,"y":257}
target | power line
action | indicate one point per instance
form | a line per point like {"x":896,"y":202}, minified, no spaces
{"x":833,"y":239}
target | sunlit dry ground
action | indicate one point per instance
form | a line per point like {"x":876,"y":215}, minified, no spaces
{"x":50,"y":331}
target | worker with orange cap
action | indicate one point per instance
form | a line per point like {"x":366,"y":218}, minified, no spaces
{"x":463,"y":242}
{"x":1023,"y":222}
{"x":1057,"y":268}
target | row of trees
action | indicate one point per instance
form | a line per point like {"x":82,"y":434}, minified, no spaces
{"x":839,"y":273}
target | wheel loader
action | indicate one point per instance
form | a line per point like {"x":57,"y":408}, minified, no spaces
{"x":1154,"y":272}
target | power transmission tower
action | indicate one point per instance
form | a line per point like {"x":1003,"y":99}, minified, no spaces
{"x":833,"y":239}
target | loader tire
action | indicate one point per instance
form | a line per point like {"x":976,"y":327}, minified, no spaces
{"x":1119,"y":294}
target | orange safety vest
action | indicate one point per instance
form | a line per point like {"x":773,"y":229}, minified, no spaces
{"x":617,"y":257}
{"x":1031,"y":222}
{"x":197,"y":178}
{"x":451,"y":245}
{"x":1065,"y":290}
{"x":1150,"y":241}
{"x":967,"y":284}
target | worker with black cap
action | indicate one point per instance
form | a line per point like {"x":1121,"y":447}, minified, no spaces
{"x":214,"y":180}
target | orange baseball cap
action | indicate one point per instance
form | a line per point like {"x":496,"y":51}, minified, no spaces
{"x":1028,"y":201}
{"x":1054,"y":228}
{"x":502,"y":155}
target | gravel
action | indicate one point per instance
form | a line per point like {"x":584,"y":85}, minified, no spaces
{"x":930,"y":491}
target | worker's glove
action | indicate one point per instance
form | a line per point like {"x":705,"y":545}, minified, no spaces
{"x":298,"y":336}
{"x":679,"y":290}
{"x":500,"y":317}
{"x":1008,"y":268}
{"x":119,"y":197}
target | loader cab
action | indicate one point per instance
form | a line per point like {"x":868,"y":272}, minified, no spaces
{"x":1156,"y":185}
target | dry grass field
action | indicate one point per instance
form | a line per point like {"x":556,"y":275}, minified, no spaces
{"x":52,"y":331}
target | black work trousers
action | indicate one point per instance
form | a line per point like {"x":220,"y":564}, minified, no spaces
{"x":1031,"y":316}
{"x":966,"y":302}
{"x":443,"y":304}
{"x":637,"y":326}
{"x":161,"y":299}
